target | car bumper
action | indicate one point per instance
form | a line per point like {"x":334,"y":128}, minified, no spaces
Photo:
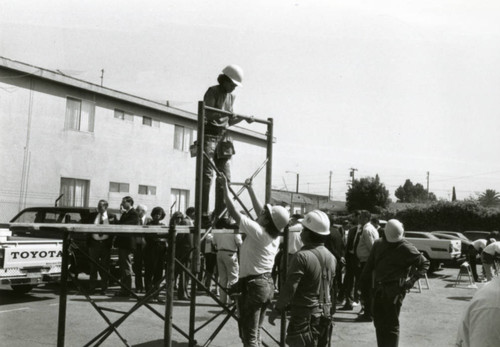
{"x":30,"y":280}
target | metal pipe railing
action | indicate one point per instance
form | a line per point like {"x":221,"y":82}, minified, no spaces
{"x":247,"y":118}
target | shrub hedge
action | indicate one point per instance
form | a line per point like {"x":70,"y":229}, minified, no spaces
{"x":445,"y":215}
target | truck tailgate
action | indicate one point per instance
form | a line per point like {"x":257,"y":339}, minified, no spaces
{"x":31,"y":254}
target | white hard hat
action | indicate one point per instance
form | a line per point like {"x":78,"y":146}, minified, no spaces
{"x":479,"y":244}
{"x":279,"y":215}
{"x":317,"y":222}
{"x":235,"y":73}
{"x":394,"y":230}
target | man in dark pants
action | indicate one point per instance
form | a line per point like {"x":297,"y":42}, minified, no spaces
{"x":351,"y":266}
{"x":335,"y":244}
{"x":100,"y":246}
{"x":312,"y":270}
{"x":397,"y":265}
{"x":364,"y":244}
{"x":125,"y":244}
{"x":138,"y":251}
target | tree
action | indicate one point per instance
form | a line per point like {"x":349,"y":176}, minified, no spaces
{"x":367,"y":194}
{"x":489,"y":198}
{"x":413,"y":193}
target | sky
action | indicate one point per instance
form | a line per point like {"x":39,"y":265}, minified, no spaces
{"x":394,"y":88}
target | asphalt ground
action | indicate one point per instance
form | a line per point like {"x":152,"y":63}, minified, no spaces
{"x":430,"y":317}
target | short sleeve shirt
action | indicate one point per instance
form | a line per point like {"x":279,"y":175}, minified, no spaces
{"x":492,"y":248}
{"x":479,"y":325}
{"x":258,"y":250}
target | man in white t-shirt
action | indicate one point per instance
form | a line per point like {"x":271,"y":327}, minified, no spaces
{"x":479,"y":325}
{"x":490,"y":254}
{"x":257,"y":259}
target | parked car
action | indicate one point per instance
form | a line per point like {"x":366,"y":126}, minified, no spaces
{"x":65,"y":215}
{"x":476,"y":235}
{"x":436,"y":250}
{"x":457,"y":234}
{"x":465,"y":243}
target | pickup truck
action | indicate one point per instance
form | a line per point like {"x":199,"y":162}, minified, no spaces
{"x":436,"y":250}
{"x":65,"y":215}
{"x":26,"y":263}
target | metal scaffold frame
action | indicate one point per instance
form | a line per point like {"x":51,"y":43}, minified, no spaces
{"x":68,"y":230}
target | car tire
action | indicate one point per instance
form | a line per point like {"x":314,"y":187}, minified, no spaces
{"x":22,"y":288}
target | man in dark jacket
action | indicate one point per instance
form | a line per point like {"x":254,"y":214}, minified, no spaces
{"x":396,"y":265}
{"x":125,"y":244}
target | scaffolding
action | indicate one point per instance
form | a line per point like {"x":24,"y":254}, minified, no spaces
{"x":67,"y":231}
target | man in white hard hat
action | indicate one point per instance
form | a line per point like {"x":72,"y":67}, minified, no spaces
{"x":392,"y":261}
{"x":257,"y":255}
{"x":309,"y":287}
{"x":217,"y":143}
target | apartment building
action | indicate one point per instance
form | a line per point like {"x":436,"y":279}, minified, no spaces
{"x":63,"y":136}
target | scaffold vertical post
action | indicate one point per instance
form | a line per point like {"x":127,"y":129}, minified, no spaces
{"x":269,"y":165}
{"x":281,"y":282}
{"x":169,"y":302}
{"x":195,"y":265}
{"x":61,"y":326}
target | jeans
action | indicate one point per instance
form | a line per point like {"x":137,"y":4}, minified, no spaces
{"x":100,"y":253}
{"x":255,"y":299}
{"x":308,"y":331}
{"x":222,"y":164}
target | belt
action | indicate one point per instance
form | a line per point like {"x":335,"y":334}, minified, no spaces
{"x":252,"y":277}
{"x":227,"y":250}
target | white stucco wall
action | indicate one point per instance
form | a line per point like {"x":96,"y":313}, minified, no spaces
{"x":117,"y":150}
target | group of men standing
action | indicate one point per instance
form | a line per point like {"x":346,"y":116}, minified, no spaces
{"x":140,"y":256}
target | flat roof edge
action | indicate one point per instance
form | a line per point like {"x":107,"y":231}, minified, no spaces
{"x":59,"y":77}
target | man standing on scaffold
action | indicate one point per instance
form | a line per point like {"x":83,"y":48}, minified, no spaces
{"x":217,"y":143}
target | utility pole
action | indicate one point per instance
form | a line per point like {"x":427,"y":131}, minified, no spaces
{"x":352,"y":174}
{"x":427,"y":185}
{"x":296,"y":173}
{"x":102,"y":76}
{"x":330,"y":186}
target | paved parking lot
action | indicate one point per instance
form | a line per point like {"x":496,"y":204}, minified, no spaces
{"x":427,"y":318}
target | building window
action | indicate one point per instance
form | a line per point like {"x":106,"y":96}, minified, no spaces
{"x":147,"y":121}
{"x":80,"y":115}
{"x":183,"y":138}
{"x":179,"y":200}
{"x":119,"y":114}
{"x":75,"y":192}
{"x":147,"y":190}
{"x":116,"y":187}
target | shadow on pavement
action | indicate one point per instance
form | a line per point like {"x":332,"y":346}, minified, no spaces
{"x":8,"y":297}
{"x":345,"y":320}
{"x":159,"y":343}
{"x":460,"y":298}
